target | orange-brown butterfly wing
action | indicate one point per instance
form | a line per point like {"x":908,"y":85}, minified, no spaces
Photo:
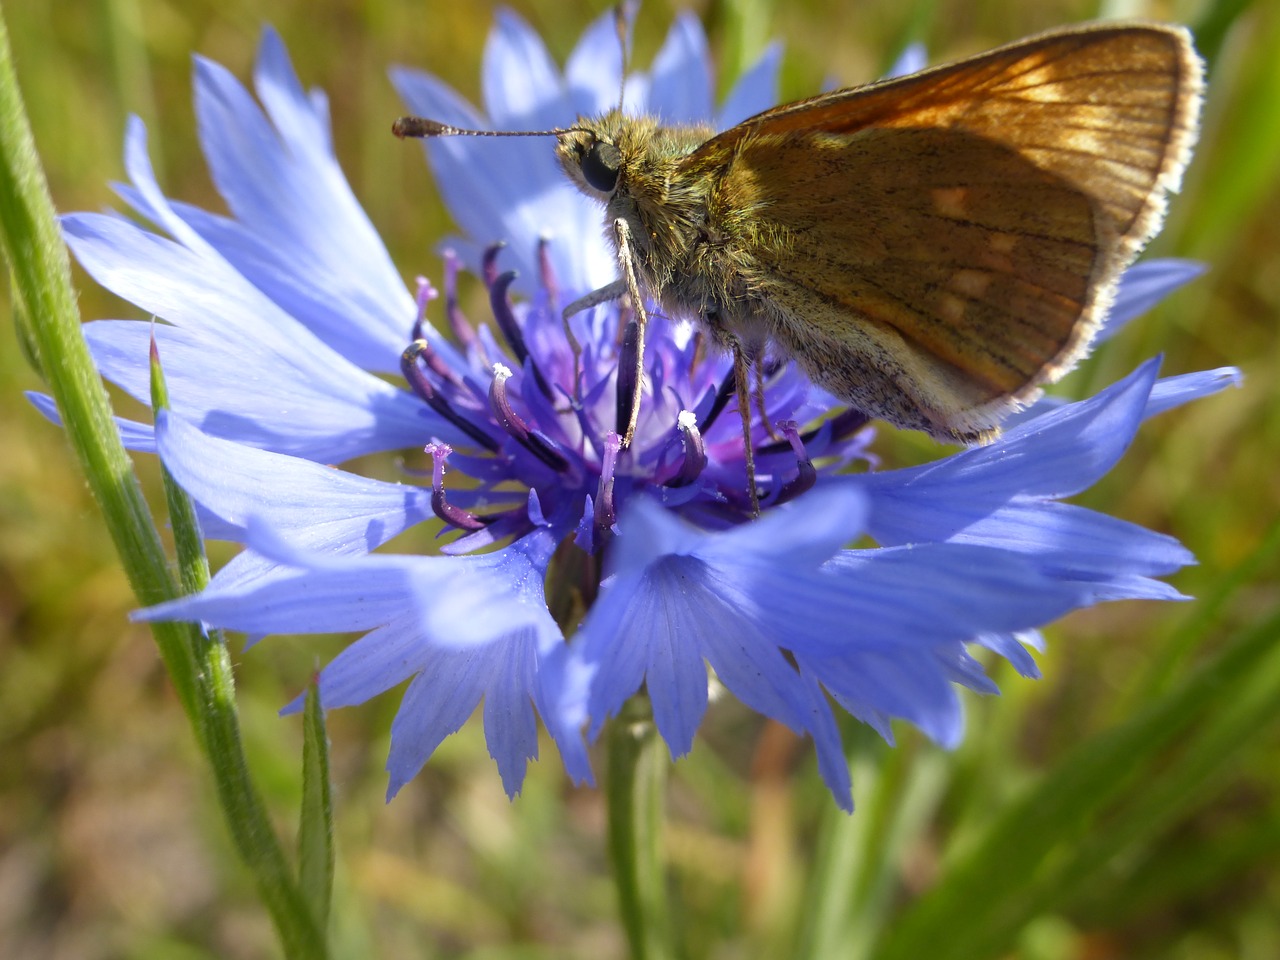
{"x":973,"y":218}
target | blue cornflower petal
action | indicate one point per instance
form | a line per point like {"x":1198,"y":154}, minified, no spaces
{"x":331,"y":416}
{"x":301,"y":116}
{"x":314,"y":506}
{"x":466,"y":630}
{"x":593,"y":72}
{"x":913,"y":58}
{"x":1076,"y":543}
{"x":522,"y":87}
{"x":677,"y":595}
{"x":1173,"y":392}
{"x":1143,"y":286}
{"x":448,"y":684}
{"x":473,"y":628}
{"x":883,"y":630}
{"x":874,"y":687}
{"x":680,"y":78}
{"x":436,"y":99}
{"x":335,"y":305}
{"x":297,"y":231}
{"x":306,"y":600}
{"x":755,"y":91}
{"x":1054,"y":455}
{"x":443,"y":696}
{"x":140,"y":437}
{"x":1069,"y":449}
{"x":509,"y":189}
{"x":872,"y":599}
{"x":523,"y":91}
{"x":832,"y":766}
{"x":190,"y":285}
{"x":1114,"y":559}
{"x":1013,"y":647}
{"x":371,"y":665}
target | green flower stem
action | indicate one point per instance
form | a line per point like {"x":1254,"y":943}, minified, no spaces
{"x":49,"y":325}
{"x":45,"y":312}
{"x":634,"y":791}
{"x":251,"y":830}
{"x":299,"y":924}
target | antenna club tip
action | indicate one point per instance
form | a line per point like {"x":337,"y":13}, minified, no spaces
{"x":417,"y":127}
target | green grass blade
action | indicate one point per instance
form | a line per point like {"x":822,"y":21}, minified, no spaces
{"x":1048,"y":843}
{"x":315,"y":826}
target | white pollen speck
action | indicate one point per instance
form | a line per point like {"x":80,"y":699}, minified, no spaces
{"x":686,"y":420}
{"x":501,"y":371}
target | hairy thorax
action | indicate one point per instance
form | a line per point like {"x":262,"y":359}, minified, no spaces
{"x":689,"y":234}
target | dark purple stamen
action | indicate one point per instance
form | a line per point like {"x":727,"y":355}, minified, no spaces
{"x":426,"y":293}
{"x":605,"y":511}
{"x":843,"y":425}
{"x":510,"y":327}
{"x":807,"y":476}
{"x":628,"y":385}
{"x":728,"y":387}
{"x":489,"y":263}
{"x":435,"y":363}
{"x":508,"y":525}
{"x":440,"y":367}
{"x":422,"y":386}
{"x":503,"y":412}
{"x":463,"y":332}
{"x":515,"y":426}
{"x":847,"y":422}
{"x":454,"y":516}
{"x":695,"y":452}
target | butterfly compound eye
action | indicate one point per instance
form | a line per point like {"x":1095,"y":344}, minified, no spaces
{"x":600,"y":166}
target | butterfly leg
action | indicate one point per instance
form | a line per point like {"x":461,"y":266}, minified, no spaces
{"x":605,"y":294}
{"x":631,"y":381}
{"x":741,"y":381}
{"x":758,"y":363}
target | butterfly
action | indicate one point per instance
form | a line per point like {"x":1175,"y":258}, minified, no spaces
{"x":931,"y":249}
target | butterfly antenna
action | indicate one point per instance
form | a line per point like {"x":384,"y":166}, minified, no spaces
{"x":422,"y":127}
{"x":624,"y":17}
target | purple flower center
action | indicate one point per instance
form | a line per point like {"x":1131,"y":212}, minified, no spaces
{"x":547,"y":413}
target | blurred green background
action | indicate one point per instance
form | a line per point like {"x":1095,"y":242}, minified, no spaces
{"x":110,"y":843}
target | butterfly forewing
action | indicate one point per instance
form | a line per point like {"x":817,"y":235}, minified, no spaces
{"x":1112,"y":109}
{"x":981,"y":211}
{"x":985,"y":269}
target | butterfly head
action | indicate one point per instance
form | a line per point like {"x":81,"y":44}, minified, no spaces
{"x":592,"y":154}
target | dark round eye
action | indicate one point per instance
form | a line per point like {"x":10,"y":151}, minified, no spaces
{"x":600,"y":166}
